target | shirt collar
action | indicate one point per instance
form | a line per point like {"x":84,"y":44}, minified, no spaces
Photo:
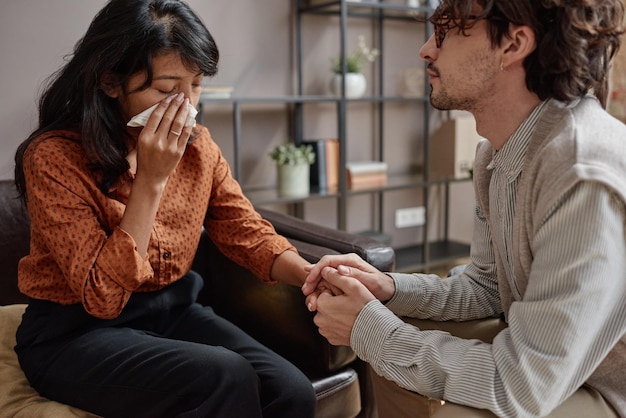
{"x":510,"y":158}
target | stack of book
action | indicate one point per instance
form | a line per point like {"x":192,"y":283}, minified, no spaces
{"x":217,"y":91}
{"x":366,"y":174}
{"x":324,"y":175}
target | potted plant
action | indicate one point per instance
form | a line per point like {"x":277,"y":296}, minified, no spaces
{"x":356,"y":83}
{"x":293,"y":163}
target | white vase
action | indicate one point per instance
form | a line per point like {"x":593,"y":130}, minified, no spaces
{"x":356,"y":84}
{"x":293,"y":180}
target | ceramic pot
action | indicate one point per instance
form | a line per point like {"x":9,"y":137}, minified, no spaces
{"x":293,"y":180}
{"x":356,"y":84}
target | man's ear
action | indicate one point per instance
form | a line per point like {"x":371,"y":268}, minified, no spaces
{"x":109,"y":83}
{"x":517,"y":45}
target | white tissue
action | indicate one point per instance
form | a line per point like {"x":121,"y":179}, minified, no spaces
{"x":142,"y":118}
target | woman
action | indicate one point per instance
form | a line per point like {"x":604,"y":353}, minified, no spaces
{"x":113,"y":326}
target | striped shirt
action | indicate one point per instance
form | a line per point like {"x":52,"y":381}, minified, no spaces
{"x":507,"y":166}
{"x":564,"y":317}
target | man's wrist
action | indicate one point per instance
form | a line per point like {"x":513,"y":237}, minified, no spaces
{"x":388,"y":289}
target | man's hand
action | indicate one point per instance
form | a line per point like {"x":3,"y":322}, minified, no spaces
{"x":379,"y":284}
{"x":336,"y":314}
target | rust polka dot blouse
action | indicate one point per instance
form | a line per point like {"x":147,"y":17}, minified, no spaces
{"x":79,"y":254}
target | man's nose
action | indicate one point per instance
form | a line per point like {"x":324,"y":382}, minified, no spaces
{"x":429,"y":49}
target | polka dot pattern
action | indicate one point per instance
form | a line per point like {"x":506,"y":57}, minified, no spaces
{"x":78,"y":253}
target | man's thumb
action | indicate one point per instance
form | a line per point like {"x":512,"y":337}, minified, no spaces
{"x":341,"y":278}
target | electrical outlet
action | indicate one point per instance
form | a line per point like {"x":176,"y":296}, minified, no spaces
{"x":408,"y":217}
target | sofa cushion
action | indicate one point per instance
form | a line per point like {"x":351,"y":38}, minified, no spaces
{"x":17,"y":398}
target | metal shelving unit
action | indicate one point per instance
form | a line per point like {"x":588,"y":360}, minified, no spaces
{"x":415,"y":257}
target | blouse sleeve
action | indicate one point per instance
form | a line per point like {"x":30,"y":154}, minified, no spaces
{"x":70,"y":237}
{"x":237,"y":229}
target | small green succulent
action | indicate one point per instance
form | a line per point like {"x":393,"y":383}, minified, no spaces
{"x":355,"y":60}
{"x":293,"y":155}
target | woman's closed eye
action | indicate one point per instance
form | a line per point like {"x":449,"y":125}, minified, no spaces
{"x":168,"y":92}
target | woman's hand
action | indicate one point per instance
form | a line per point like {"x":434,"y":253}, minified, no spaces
{"x":336,"y":314}
{"x":163,"y":140}
{"x":160,"y":147}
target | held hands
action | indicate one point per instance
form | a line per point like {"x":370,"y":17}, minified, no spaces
{"x":338,"y":287}
{"x":379,"y":284}
{"x":163,"y":140}
{"x":336,"y":314}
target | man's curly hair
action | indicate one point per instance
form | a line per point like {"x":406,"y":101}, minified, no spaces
{"x":576,"y":39}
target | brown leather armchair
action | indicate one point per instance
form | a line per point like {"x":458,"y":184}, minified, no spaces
{"x":275,"y":315}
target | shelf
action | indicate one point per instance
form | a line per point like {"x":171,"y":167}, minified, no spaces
{"x":365,"y":9}
{"x":411,"y":181}
{"x":410,"y":259}
{"x":311,"y":99}
{"x":417,"y":180}
{"x":270,"y":99}
{"x":269,"y":195}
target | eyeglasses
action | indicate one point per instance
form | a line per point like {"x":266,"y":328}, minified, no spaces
{"x":441,"y":29}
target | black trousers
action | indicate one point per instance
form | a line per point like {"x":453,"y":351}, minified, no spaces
{"x":164,"y":356}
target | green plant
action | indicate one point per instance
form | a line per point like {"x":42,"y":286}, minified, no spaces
{"x":292,"y":154}
{"x":355,"y":60}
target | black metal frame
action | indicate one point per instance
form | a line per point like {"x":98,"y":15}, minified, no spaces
{"x":379,"y":12}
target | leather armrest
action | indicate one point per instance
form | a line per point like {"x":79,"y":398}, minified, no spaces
{"x":276,"y":315}
{"x":322,"y":238}
{"x":14,"y":242}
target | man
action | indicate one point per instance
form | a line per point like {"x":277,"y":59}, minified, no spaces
{"x":549,"y":246}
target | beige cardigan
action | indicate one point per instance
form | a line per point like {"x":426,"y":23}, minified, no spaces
{"x":555,"y":162}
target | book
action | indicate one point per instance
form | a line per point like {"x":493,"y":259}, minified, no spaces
{"x":367,"y":180}
{"x":324,"y":175}
{"x":317,"y":176}
{"x":366,"y":174}
{"x":332,"y":164}
{"x":217,"y":91}
{"x":364,"y":167}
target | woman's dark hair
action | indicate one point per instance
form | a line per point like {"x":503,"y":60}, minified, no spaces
{"x":121,"y":41}
{"x":576,"y":40}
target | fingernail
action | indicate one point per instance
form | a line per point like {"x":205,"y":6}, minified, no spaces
{"x":170,"y":98}
{"x":180,"y":96}
{"x":310,"y":307}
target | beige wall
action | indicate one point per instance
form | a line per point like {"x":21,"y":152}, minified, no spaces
{"x":256,"y":44}
{"x":35,"y":35}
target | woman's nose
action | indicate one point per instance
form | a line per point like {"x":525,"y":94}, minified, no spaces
{"x":192,"y":93}
{"x":187,"y":90}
